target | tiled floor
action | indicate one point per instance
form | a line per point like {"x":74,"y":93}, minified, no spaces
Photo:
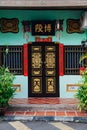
{"x":44,"y":101}
{"x":49,"y":112}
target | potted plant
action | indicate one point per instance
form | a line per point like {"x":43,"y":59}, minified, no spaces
{"x":6,"y":88}
{"x":81,"y":93}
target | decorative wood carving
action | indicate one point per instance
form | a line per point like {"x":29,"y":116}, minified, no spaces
{"x":73,"y":26}
{"x":9,"y":25}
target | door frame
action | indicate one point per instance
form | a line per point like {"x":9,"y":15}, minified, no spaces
{"x":57,"y":70}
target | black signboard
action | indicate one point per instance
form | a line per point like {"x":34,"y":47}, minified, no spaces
{"x":43,"y":27}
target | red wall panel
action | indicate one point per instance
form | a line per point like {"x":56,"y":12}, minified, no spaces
{"x":61,"y":59}
{"x":25,"y":59}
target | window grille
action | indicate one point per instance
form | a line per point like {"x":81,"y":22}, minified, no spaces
{"x":72,"y":57}
{"x":13,"y":59}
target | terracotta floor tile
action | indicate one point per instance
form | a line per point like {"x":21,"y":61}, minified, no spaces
{"x":61,"y":101}
{"x":81,"y":114}
{"x":43,"y":101}
{"x":40,"y":113}
{"x":50,"y":113}
{"x":30,"y":113}
{"x":68,"y":101}
{"x":10,"y":113}
{"x":60,"y":113}
{"x":19,"y":113}
{"x":70,"y":113}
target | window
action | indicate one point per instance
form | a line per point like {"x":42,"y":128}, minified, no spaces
{"x":72,"y":57}
{"x":13,"y":59}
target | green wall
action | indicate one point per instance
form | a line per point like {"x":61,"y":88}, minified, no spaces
{"x":17,"y":38}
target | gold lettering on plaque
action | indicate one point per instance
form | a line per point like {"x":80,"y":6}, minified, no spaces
{"x":36,"y":60}
{"x":50,"y":60}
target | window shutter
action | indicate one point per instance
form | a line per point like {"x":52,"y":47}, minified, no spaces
{"x":61,"y":59}
{"x":25,"y":59}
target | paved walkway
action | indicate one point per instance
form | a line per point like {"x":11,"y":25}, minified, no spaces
{"x":51,"y":109}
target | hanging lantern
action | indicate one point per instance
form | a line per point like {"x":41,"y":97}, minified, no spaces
{"x":26,"y":29}
{"x":59,"y":26}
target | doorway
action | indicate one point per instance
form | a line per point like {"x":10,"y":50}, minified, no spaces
{"x":43,"y":79}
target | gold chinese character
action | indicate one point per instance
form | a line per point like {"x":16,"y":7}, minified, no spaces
{"x":38,"y":28}
{"x":47,"y":27}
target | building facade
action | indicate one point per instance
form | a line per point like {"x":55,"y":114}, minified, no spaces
{"x":42,"y":46}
